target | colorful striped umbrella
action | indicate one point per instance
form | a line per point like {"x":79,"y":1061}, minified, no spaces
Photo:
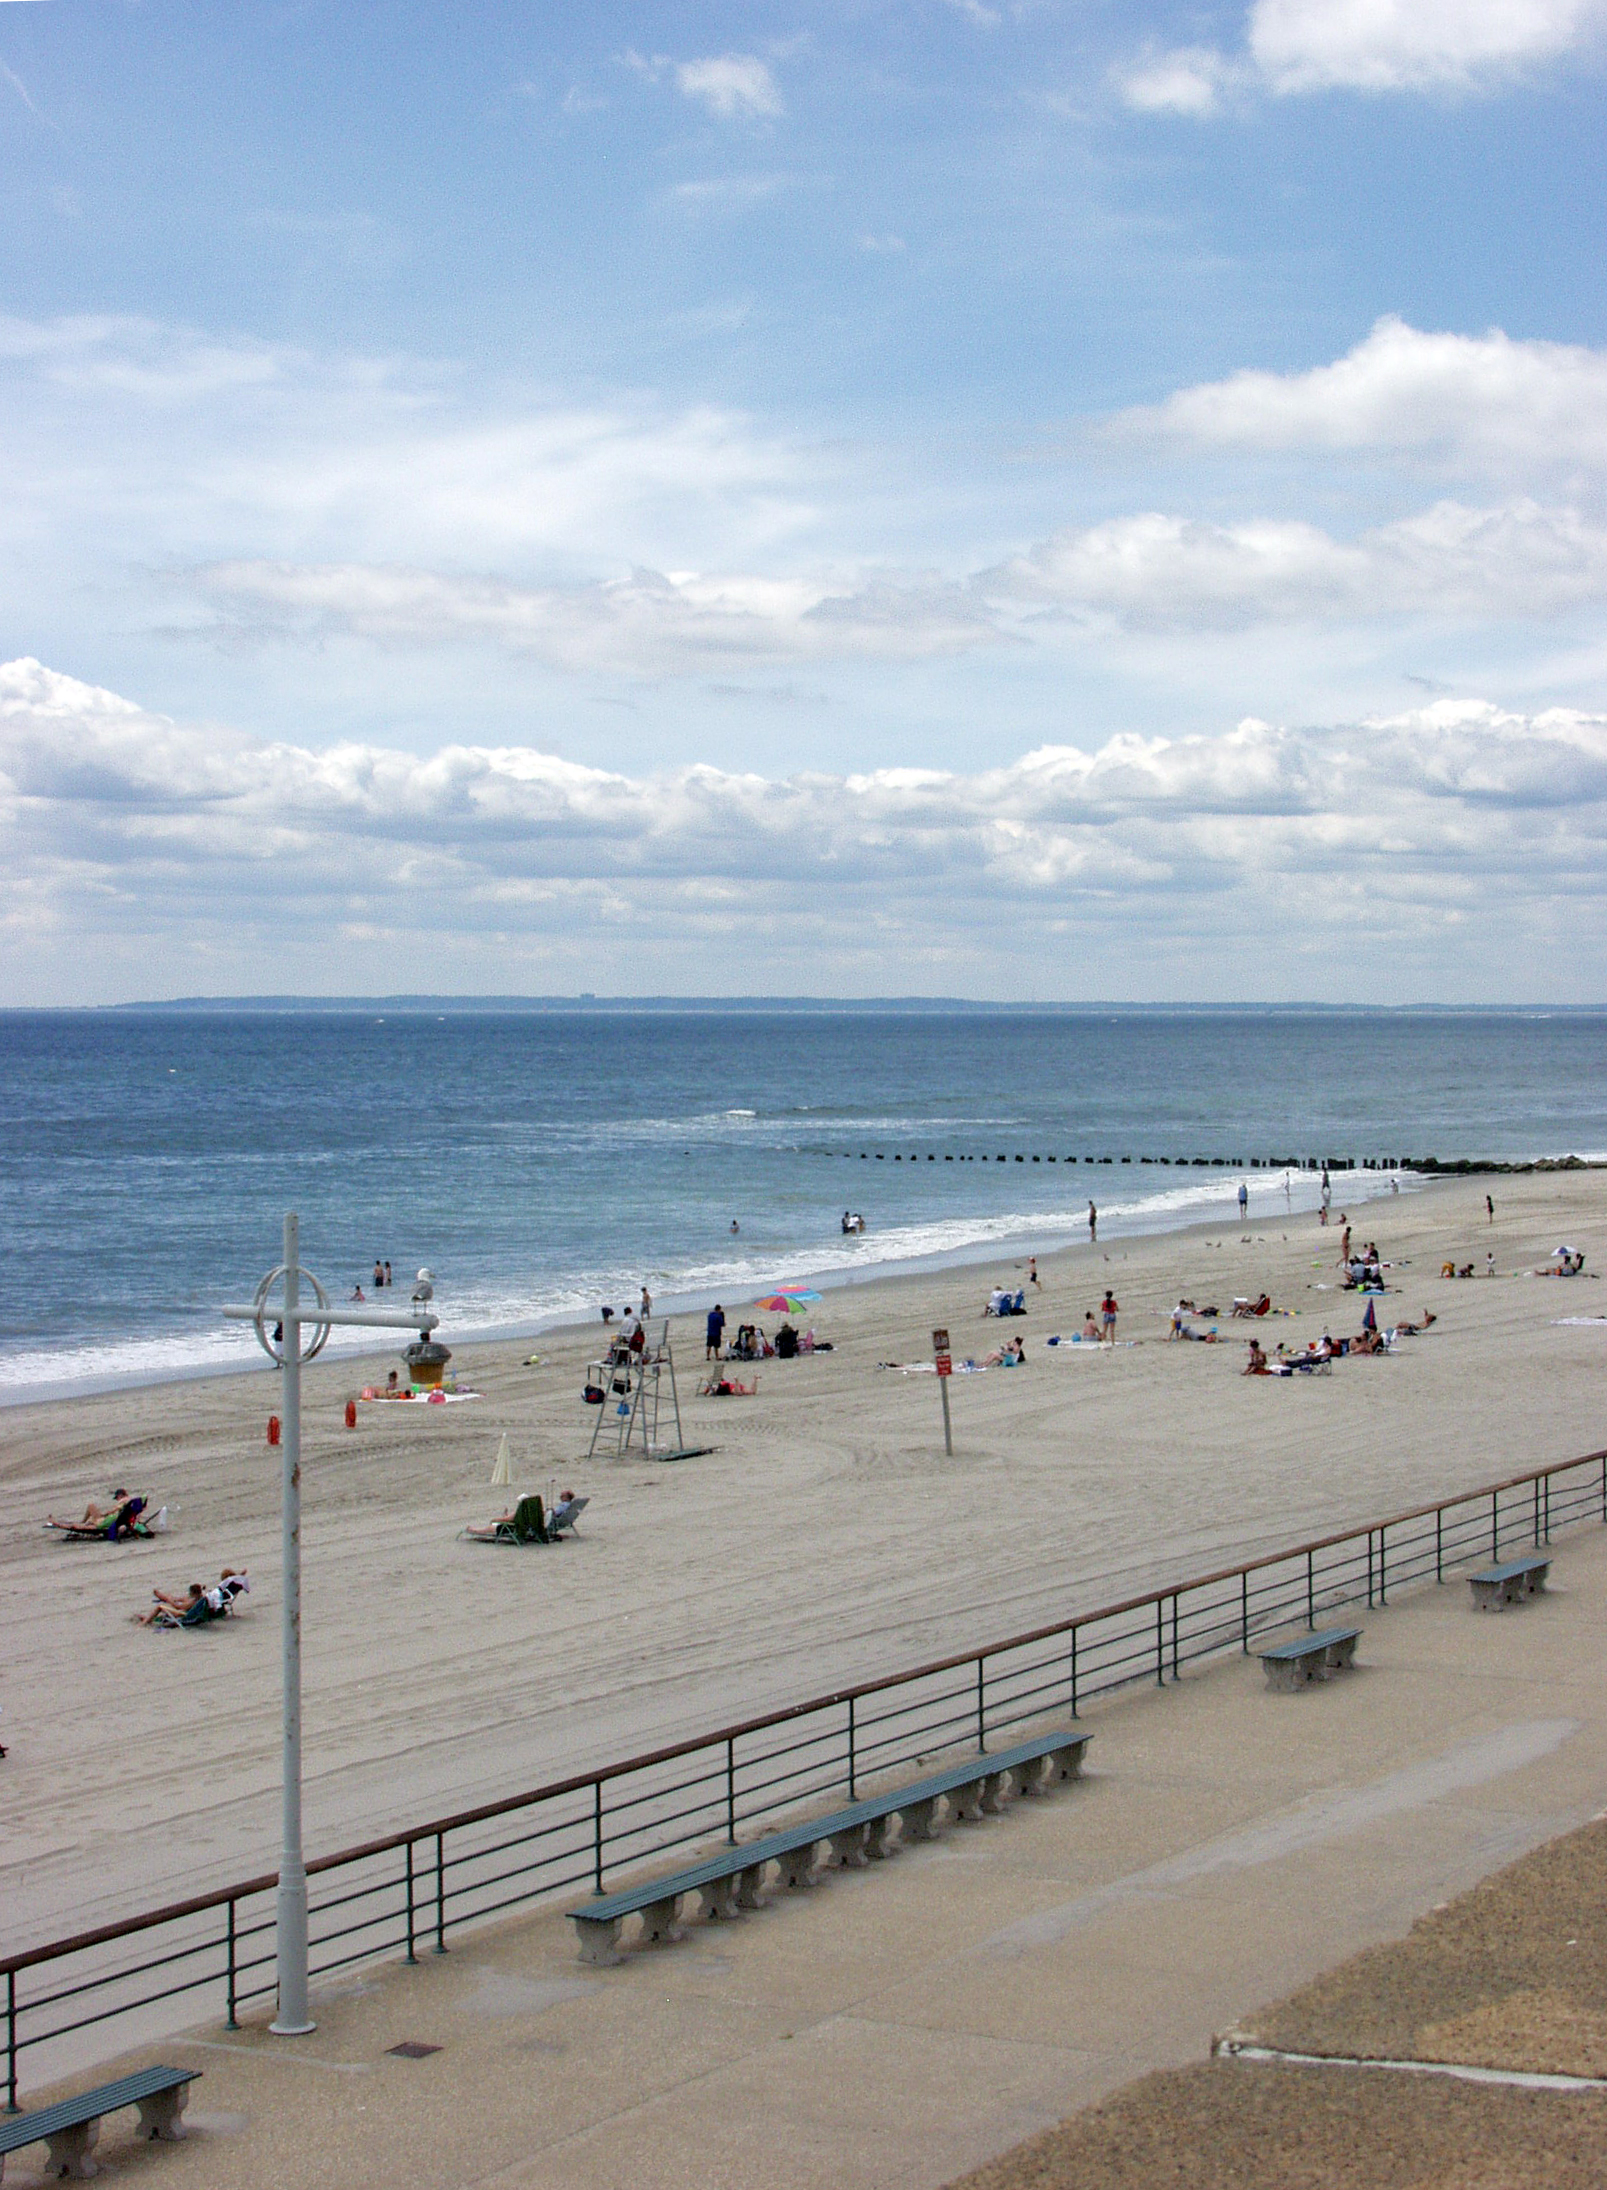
{"x":788,"y":1301}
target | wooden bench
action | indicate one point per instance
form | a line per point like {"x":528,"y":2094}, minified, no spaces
{"x":731,"y":1881}
{"x":1510,"y":1582}
{"x":1310,"y":1658}
{"x":71,"y":2128}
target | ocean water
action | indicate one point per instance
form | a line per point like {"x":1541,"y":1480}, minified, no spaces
{"x":542,"y":1163}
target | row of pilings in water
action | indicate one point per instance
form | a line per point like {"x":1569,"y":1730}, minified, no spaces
{"x":1176,"y":1163}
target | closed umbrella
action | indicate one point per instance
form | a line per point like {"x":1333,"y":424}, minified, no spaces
{"x":502,"y":1473}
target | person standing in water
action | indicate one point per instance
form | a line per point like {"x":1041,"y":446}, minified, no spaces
{"x":1244,"y":1201}
{"x":1093,"y":1224}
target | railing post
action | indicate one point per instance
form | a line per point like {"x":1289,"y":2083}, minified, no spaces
{"x":1369,"y":1570}
{"x":1382,"y":1598}
{"x":1160,"y":1642}
{"x":1174,"y":1635}
{"x":1548,"y":1508}
{"x":411,"y":1956}
{"x":232,"y":2023}
{"x":853,"y":1794}
{"x":1439,"y":1548}
{"x":1074,"y":1634}
{"x":440,"y":1893}
{"x":11,"y":2042}
{"x":1311,"y":1589}
{"x":1244,"y":1609}
{"x":731,"y":1790}
{"x":1495,"y":1524}
{"x":1537,"y":1512}
{"x":981,"y":1709}
{"x":597,"y":1835}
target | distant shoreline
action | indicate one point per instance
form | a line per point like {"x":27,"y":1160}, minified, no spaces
{"x":587,"y":1005}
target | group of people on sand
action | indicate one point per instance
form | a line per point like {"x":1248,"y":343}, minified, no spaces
{"x":1369,"y":1340}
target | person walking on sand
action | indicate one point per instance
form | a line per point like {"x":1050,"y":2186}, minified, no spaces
{"x":1244,"y":1201}
{"x":647,"y":1304}
{"x":1107,"y":1317}
{"x":1344,"y":1247}
{"x":1490,"y":1207}
{"x":1032,"y":1272}
{"x":1093,"y":1224}
{"x":714,"y":1333}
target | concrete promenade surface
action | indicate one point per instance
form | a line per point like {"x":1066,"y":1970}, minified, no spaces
{"x":901,"y":2024}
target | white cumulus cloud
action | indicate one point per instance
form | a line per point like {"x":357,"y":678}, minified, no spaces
{"x":1400,"y":45}
{"x":734,"y":86}
{"x":137,"y":843}
{"x":1480,"y":399}
{"x":1302,"y":46}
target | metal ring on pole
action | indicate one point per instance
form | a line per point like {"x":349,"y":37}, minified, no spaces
{"x":320,"y":1331}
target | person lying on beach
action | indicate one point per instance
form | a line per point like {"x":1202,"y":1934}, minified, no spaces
{"x":116,"y":1520}
{"x":1421,"y":1324}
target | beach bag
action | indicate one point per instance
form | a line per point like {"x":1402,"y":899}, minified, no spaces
{"x":157,"y":1524}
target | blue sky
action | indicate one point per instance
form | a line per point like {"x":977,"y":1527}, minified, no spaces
{"x":1018,"y":500}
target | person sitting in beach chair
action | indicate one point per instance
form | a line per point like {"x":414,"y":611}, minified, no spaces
{"x":525,"y":1524}
{"x":565,"y":1514}
{"x":106,"y":1524}
{"x":198,"y":1605}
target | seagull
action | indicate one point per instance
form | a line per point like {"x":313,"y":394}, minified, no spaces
{"x":424,"y":1288}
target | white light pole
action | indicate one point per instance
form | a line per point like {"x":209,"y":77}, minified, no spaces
{"x":292,"y":2020}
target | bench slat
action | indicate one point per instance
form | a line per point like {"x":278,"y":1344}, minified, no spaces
{"x":1305,"y":1646}
{"x":1509,"y":1569}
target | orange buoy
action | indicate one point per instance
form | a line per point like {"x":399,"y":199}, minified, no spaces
{"x":273,"y":1429}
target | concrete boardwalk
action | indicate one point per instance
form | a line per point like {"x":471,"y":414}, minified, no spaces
{"x":901,"y":2024}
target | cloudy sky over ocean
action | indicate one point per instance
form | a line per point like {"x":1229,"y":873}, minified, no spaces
{"x":1035,"y":500}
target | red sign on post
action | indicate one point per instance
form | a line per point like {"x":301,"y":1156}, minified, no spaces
{"x":940,"y":1347}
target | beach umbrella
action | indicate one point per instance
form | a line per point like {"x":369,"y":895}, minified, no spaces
{"x":1369,"y":1321}
{"x":502,"y":1473}
{"x":789,"y":1301}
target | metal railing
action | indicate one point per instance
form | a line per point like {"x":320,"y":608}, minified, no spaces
{"x":403,"y":1893}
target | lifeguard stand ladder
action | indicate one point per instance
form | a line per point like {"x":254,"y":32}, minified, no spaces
{"x":633,"y":1391}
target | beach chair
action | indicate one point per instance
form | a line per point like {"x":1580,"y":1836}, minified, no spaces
{"x":527,"y":1524}
{"x":564,"y":1517}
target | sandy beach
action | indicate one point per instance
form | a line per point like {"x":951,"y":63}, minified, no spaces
{"x":826,"y":1535}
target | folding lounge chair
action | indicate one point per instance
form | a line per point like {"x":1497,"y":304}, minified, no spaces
{"x":565,"y":1517}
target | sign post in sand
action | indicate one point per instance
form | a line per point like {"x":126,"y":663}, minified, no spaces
{"x":945,"y":1369}
{"x":290,"y":1317}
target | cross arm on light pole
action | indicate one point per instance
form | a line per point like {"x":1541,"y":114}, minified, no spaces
{"x":379,"y":1319}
